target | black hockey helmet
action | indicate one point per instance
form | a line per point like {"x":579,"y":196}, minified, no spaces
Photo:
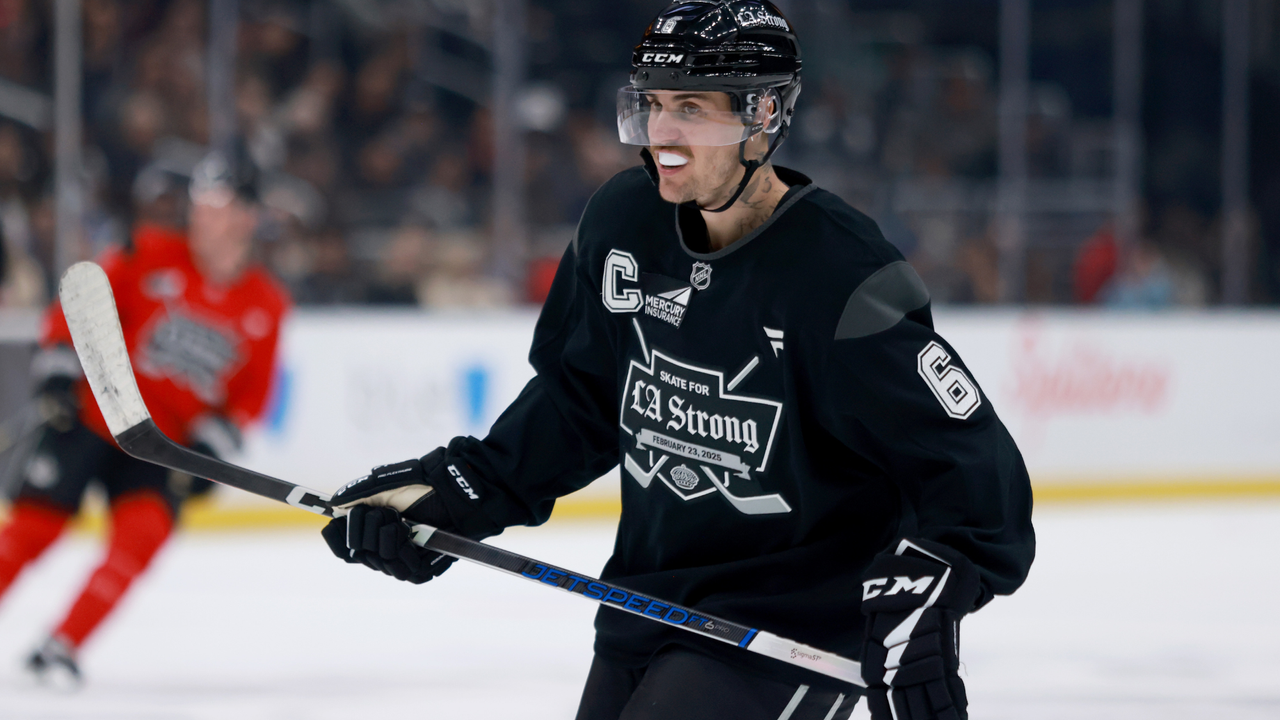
{"x":746,"y":49}
{"x":219,"y":177}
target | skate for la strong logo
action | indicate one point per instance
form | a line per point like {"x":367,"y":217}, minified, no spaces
{"x":696,"y":438}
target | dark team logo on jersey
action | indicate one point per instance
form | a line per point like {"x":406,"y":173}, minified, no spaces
{"x":701,"y":276}
{"x":695,"y":437}
{"x":684,"y":477}
{"x":192,"y":354}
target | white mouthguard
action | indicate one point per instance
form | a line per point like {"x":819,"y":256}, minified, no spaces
{"x":672,"y":159}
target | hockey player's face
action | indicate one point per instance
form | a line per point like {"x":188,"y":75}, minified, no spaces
{"x":687,"y":171}
{"x":221,"y":238}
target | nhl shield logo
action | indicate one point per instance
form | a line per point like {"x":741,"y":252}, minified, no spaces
{"x":700,"y":278}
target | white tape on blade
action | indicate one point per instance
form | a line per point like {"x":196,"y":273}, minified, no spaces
{"x":90,"y":309}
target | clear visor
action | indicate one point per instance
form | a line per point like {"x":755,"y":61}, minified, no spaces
{"x":679,"y":117}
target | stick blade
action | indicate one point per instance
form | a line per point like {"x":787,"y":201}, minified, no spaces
{"x":90,"y":309}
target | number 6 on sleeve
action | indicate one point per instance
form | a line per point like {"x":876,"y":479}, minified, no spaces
{"x":957,"y":393}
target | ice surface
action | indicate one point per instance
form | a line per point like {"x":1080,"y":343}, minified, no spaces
{"x":1131,"y":612}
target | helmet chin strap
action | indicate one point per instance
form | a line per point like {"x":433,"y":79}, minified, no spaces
{"x":751,"y":166}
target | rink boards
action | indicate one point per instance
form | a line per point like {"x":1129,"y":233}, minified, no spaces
{"x":1103,"y":405}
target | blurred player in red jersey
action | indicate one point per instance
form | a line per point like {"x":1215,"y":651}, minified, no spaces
{"x":201,"y":321}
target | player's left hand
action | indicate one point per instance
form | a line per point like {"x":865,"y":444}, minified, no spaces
{"x":213,"y":435}
{"x":370,"y":525}
{"x":913,"y":598}
{"x":57,"y":402}
{"x":216,"y":436}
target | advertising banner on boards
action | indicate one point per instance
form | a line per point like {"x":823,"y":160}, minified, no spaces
{"x":1099,"y":402}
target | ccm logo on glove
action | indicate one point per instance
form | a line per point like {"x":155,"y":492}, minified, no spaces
{"x":913,"y":597}
{"x":875,"y":587}
{"x":462,"y":483}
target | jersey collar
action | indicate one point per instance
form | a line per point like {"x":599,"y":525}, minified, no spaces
{"x":800,"y":185}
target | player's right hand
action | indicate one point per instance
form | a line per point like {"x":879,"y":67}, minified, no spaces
{"x":373,"y":520}
{"x":913,"y":600}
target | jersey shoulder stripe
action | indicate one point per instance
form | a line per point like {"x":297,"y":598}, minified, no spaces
{"x":881,"y":301}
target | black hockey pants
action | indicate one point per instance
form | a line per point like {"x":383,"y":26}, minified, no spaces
{"x":680,"y":684}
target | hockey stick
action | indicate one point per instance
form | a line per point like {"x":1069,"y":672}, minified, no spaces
{"x":18,"y":426}
{"x":18,"y":437}
{"x":95,"y":328}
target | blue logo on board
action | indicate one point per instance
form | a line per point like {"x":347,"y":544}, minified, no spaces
{"x":278,"y":401}
{"x":475,"y":395}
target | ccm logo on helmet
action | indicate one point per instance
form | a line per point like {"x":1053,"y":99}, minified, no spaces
{"x":875,"y":587}
{"x":662,"y":58}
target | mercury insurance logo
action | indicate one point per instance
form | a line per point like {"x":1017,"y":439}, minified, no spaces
{"x":696,"y":438}
{"x":668,"y":306}
{"x":659,"y":297}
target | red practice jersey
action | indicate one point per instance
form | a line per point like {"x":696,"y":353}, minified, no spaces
{"x":196,"y":348}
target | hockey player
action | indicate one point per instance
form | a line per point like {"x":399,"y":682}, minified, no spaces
{"x":201,"y":322}
{"x":800,"y":450}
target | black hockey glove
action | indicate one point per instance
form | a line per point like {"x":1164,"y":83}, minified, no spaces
{"x":377,"y":513}
{"x":913,"y":598}
{"x":57,"y":403}
{"x":213,"y":435}
{"x":218,"y":437}
{"x":57,"y":369}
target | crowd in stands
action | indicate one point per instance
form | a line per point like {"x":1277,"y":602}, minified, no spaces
{"x":378,"y":177}
{"x":376,"y":183}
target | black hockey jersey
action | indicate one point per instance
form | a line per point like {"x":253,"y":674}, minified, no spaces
{"x":782,"y":410}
